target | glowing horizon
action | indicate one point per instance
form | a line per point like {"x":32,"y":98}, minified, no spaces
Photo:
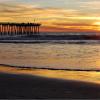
{"x":54,"y":15}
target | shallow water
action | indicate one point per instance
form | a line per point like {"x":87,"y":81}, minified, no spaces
{"x":74,"y":54}
{"x":52,"y":55}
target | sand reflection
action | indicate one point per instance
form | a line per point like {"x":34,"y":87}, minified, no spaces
{"x":92,"y":76}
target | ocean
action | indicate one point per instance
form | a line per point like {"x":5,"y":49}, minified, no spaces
{"x":60,"y":56}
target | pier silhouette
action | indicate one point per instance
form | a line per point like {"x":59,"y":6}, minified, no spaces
{"x":19,"y":29}
{"x":21,"y":32}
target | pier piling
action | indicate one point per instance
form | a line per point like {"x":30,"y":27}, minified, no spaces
{"x":21,"y":29}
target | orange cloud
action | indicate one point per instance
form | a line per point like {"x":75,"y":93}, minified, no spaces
{"x":52,"y":19}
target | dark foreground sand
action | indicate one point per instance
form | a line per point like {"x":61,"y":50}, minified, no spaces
{"x":28,"y":87}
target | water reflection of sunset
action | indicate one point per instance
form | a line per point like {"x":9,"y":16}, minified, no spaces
{"x":92,"y":77}
{"x":60,"y":56}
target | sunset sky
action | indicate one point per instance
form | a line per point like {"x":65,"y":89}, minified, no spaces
{"x":55,"y":15}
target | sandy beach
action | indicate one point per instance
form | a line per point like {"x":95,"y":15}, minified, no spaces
{"x":18,"y":86}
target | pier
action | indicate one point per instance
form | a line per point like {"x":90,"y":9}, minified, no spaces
{"x":19,"y":29}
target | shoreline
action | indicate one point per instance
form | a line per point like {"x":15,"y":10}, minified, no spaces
{"x":18,"y":86}
{"x":27,"y":84}
{"x":82,"y":76}
{"x":43,"y":68}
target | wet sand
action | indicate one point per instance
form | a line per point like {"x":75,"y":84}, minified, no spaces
{"x":18,"y":86}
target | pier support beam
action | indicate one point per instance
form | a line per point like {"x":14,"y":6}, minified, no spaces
{"x":22,"y":29}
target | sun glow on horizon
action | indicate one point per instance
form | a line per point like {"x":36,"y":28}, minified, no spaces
{"x":97,"y":23}
{"x":54,"y":15}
